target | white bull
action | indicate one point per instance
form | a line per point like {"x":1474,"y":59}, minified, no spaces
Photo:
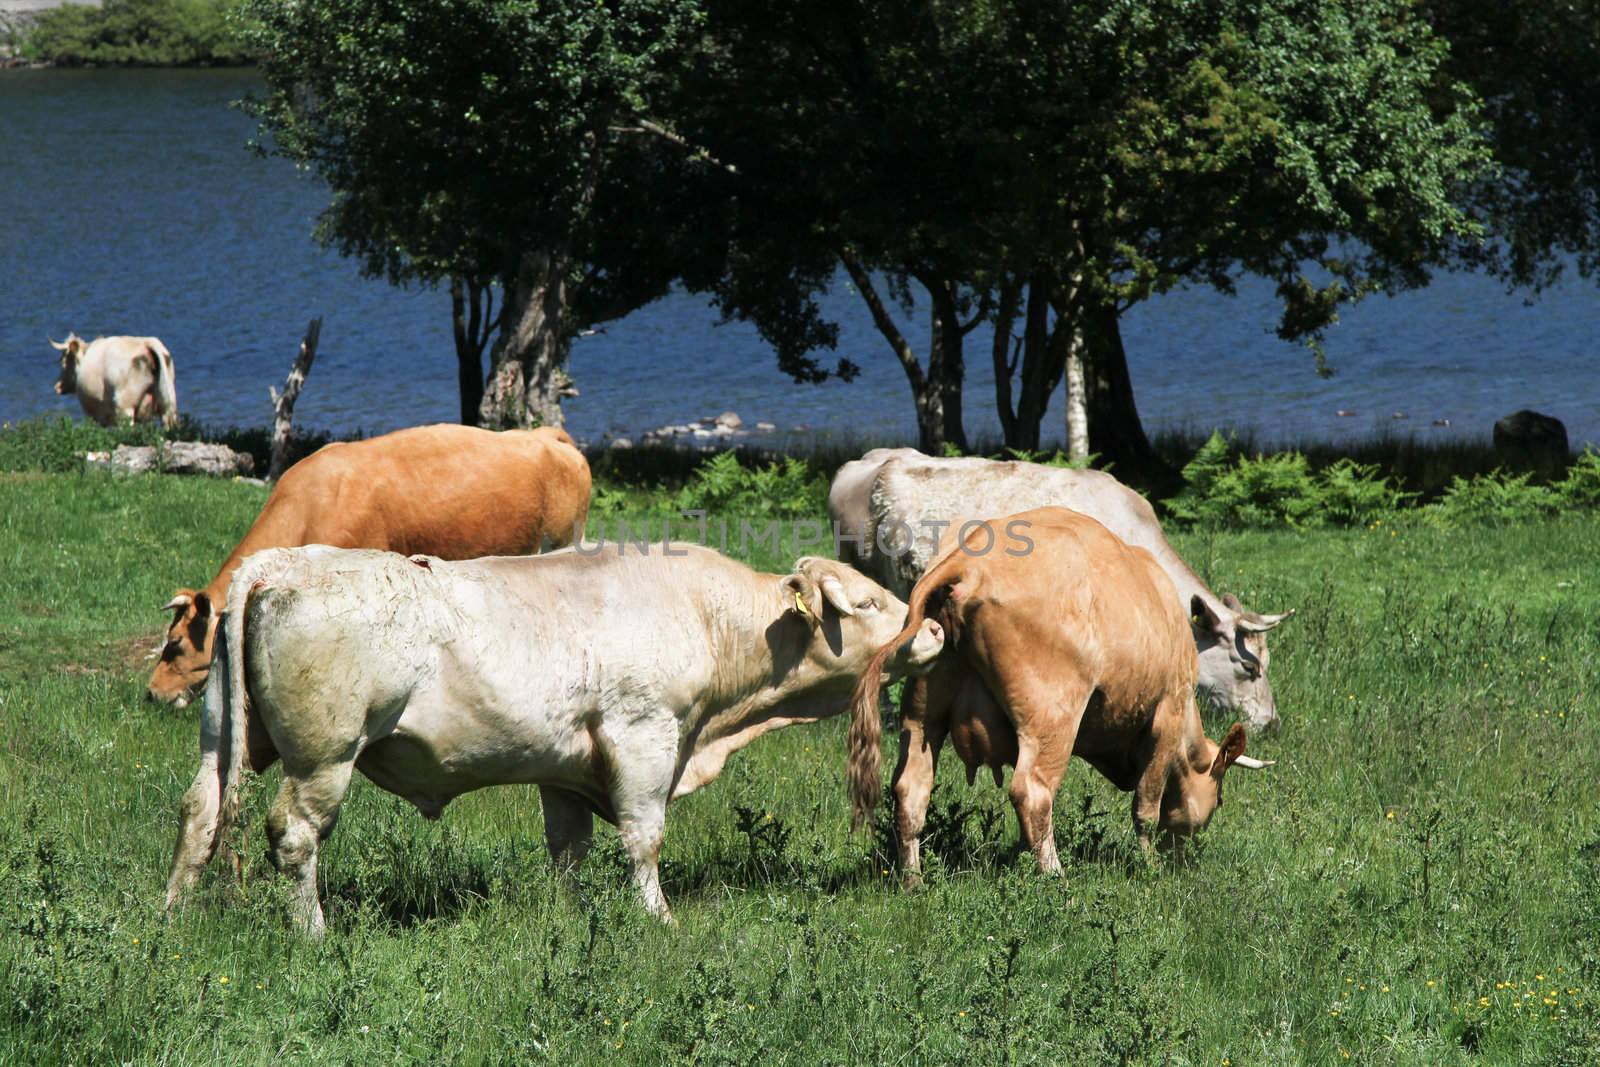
{"x":119,"y":378}
{"x":614,"y":680}
{"x":892,"y":495}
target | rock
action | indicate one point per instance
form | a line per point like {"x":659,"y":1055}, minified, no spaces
{"x":1528,"y":440}
{"x":1344,"y":413}
{"x":174,"y":457}
{"x":1441,"y":422}
{"x":766,"y":427}
{"x":728,"y":421}
{"x":622,"y":442}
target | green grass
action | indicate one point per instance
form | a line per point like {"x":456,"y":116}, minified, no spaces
{"x":1428,"y":835}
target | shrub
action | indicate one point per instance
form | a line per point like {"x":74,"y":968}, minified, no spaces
{"x":160,"y":33}
{"x":1581,"y":487}
{"x":1496,"y":498}
{"x":1276,"y":490}
{"x":1354,"y":494}
{"x":722,"y":484}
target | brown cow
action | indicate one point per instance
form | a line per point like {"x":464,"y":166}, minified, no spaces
{"x":1061,"y":639}
{"x":449,"y":491}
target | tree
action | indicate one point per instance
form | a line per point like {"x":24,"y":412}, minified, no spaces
{"x":474,"y":143}
{"x":1536,"y":65}
{"x":1055,"y":164}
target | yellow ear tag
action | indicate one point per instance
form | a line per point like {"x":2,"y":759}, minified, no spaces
{"x":800,"y":605}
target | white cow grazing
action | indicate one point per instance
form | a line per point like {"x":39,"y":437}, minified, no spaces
{"x":892,"y":494}
{"x":613,"y":679}
{"x":119,"y":378}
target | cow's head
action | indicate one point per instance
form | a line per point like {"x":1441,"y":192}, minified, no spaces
{"x":1233,"y":659}
{"x":1194,"y":785}
{"x":70,"y":350}
{"x":186,"y":655}
{"x":848,"y":617}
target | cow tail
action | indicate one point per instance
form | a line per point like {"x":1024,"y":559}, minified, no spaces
{"x":166,"y":384}
{"x":211,"y":804}
{"x":865,"y":786}
{"x":236,"y":697}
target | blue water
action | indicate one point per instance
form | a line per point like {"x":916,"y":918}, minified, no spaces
{"x":128,"y":204}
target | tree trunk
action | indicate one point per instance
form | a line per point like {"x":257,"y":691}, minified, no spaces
{"x":283,"y":403}
{"x":947,"y":364}
{"x":1004,"y":352}
{"x":529,"y":375}
{"x":1077,"y":399}
{"x":1115,"y":432}
{"x":1043,"y":355}
{"x":927,"y":388}
{"x":471,"y":304}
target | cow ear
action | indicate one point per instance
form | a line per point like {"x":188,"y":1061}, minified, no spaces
{"x":1231,"y":749}
{"x":801,"y":596}
{"x":1203,"y":620}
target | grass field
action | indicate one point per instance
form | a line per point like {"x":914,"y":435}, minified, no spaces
{"x":1417,"y":881}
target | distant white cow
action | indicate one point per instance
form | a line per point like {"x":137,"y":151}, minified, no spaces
{"x":119,"y":378}
{"x":612,"y":678}
{"x":891,"y":495}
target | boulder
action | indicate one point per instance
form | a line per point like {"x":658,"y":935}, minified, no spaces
{"x":174,"y":457}
{"x":1528,"y":440}
{"x":728,"y":421}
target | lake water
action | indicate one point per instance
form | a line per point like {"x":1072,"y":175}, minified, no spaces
{"x":128,"y":204}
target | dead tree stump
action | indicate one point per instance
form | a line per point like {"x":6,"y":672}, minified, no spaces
{"x":283,"y":403}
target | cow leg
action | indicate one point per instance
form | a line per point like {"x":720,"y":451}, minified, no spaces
{"x":303,"y":813}
{"x":198,"y":830}
{"x":568,"y":826}
{"x":1152,"y":784}
{"x":1045,"y":736}
{"x":924,"y":721}
{"x":643,"y":766}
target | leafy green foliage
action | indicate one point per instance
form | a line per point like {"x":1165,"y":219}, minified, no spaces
{"x":1581,"y":486}
{"x":1498,"y":498}
{"x":1352,"y":493}
{"x":722,"y":486}
{"x":1222,"y":488}
{"x":157,"y":33}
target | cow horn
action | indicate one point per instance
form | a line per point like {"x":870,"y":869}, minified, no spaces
{"x":833,"y":592}
{"x":59,"y":346}
{"x":1260,"y":624}
{"x":1250,"y":763}
{"x":182,"y":600}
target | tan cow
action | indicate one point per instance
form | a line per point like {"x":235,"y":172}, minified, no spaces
{"x":117,"y":378}
{"x":1061,"y":640}
{"x":615,"y":678}
{"x":896,"y":500}
{"x":450,"y":491}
